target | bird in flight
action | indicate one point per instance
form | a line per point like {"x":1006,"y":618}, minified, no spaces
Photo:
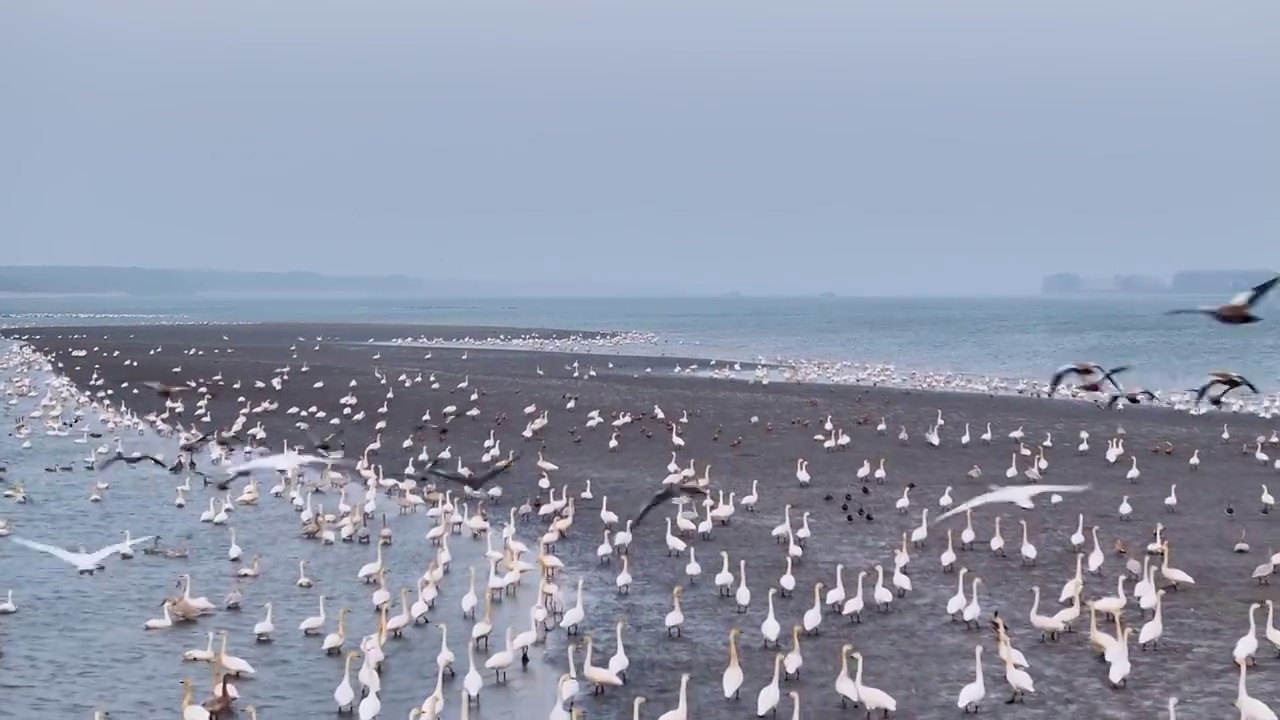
{"x":280,"y":462}
{"x":475,"y":481}
{"x":132,"y":460}
{"x":1228,"y":380}
{"x":325,"y":444}
{"x":670,"y":492}
{"x":1085,"y":371}
{"x":1237,"y":311}
{"x":86,"y":563}
{"x":1133,"y":398}
{"x":1021,"y":495}
{"x":164,"y":390}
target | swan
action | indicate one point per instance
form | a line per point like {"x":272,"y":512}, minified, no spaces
{"x":332,"y":644}
{"x":85,"y":563}
{"x":311,"y":625}
{"x":1174,"y":575}
{"x":1019,"y":680}
{"x":1249,"y":707}
{"x":232,"y":664}
{"x":872,"y":698}
{"x":675,"y":619}
{"x":853,"y":606}
{"x":204,"y":655}
{"x":345,"y":695}
{"x":262,"y":631}
{"x":600,"y":677}
{"x":971,"y":695}
{"x":681,"y":711}
{"x":769,"y":695}
{"x":733,"y":677}
{"x":1247,"y":645}
{"x":619,"y":662}
{"x":161,"y":623}
{"x":501,"y":660}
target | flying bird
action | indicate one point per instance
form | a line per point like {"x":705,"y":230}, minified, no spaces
{"x":1085,"y":371}
{"x":85,"y":563}
{"x":1021,"y":495}
{"x":1228,"y":380}
{"x":164,"y":390}
{"x":1238,"y":310}
{"x":133,"y":459}
{"x":1133,"y":398}
{"x":280,"y":462}
{"x":669,"y":492}
{"x":477,"y":480}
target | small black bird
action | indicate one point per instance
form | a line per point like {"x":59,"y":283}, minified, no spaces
{"x":1237,"y":311}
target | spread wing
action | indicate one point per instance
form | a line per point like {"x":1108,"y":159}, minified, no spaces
{"x":1062,"y":372}
{"x":110,"y":550}
{"x":979,"y":501}
{"x":60,"y":553}
{"x":1250,"y":297}
{"x":108,"y":461}
{"x":475,"y":482}
{"x":1038,"y":489}
{"x":653,"y":503}
{"x":1248,"y":384}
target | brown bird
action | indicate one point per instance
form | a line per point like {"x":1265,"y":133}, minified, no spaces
{"x":1228,"y":380}
{"x":1085,"y":371}
{"x":1237,"y":310}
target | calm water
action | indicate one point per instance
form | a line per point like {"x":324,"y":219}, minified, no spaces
{"x":1008,"y":337}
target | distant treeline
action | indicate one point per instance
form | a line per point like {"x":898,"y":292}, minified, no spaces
{"x":1186,"y":282}
{"x":152,"y":281}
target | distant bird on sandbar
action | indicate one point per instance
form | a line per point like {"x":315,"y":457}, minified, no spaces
{"x":1228,"y":380}
{"x":1238,"y":310}
{"x":1085,"y":371}
{"x":1133,"y":398}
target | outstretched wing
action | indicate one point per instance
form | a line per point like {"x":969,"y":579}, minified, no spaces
{"x":1250,"y":297}
{"x":473,"y":482}
{"x":972,"y":503}
{"x":1038,"y":489}
{"x":1114,"y":399}
{"x":1110,"y":376}
{"x":1246,"y":383}
{"x":1062,"y":372}
{"x":110,"y":550}
{"x":60,"y":553}
{"x":653,"y":503}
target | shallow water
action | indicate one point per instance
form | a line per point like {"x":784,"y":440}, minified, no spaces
{"x":77,"y":643}
{"x":913,"y":652}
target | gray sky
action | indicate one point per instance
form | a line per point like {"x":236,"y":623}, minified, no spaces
{"x":764,"y":146}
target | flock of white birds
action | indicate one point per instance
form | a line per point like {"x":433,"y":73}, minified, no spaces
{"x":520,"y":543}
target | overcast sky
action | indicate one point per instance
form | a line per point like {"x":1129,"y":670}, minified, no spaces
{"x":710,"y":145}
